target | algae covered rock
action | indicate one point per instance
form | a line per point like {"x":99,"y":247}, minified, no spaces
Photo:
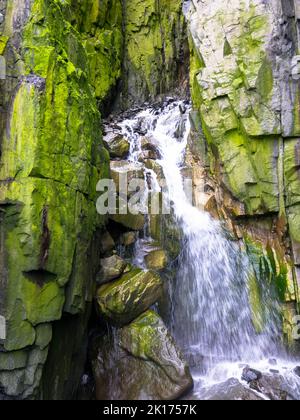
{"x":117,"y":145}
{"x":125,"y":299}
{"x":237,"y":93}
{"x":148,"y":363}
{"x":51,"y":160}
{"x":155,"y":47}
{"x":111,"y":269}
{"x":156,"y":260}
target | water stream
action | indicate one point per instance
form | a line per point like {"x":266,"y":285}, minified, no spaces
{"x":211,"y":315}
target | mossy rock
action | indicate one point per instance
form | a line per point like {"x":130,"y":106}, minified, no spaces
{"x":118,"y":146}
{"x":142,"y":363}
{"x":128,"y":239}
{"x":111,"y":269}
{"x":122,"y":301}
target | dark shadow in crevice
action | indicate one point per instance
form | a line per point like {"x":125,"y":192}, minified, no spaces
{"x":40,"y":277}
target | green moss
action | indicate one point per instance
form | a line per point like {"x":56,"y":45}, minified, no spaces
{"x":151,"y":46}
{"x":270,"y":269}
{"x":256,"y":304}
{"x":105,"y":61}
{"x":3,"y":43}
{"x":125,"y":299}
{"x":143,"y":334}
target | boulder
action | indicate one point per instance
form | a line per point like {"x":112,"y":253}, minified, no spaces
{"x":273,"y":386}
{"x":140,"y":362}
{"x":122,"y":169}
{"x":156,"y":260}
{"x":157,"y":168}
{"x":231,"y":390}
{"x":128,"y":238}
{"x":150,"y":149}
{"x":122,"y":301}
{"x":111,"y":268}
{"x":297,"y":371}
{"x":117,"y":145}
{"x":149,"y":143}
{"x":107,"y":244}
{"x":130,"y":221}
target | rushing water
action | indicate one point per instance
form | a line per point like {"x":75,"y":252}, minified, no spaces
{"x":212,"y":319}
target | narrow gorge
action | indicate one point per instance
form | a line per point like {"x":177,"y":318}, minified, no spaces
{"x":149,"y":200}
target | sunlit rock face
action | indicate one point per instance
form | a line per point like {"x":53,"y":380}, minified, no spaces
{"x":245,"y":88}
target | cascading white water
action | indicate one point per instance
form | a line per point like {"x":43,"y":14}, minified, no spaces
{"x":211,"y":301}
{"x":210,"y":297}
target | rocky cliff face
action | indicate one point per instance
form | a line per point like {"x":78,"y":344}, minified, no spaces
{"x":64,"y":61}
{"x":51,"y":159}
{"x":245,"y":88}
{"x":68,"y":61}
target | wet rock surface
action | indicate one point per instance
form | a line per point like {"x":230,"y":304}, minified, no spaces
{"x":245,"y":74}
{"x":111,"y":269}
{"x":231,"y":390}
{"x":156,"y":260}
{"x":275,"y":385}
{"x":297,"y":371}
{"x":250,"y":375}
{"x":117,"y":145}
{"x":125,"y":299}
{"x":140,"y":362}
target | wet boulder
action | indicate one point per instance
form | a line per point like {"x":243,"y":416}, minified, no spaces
{"x":158,"y":170}
{"x":149,"y":154}
{"x":123,"y":300}
{"x":120,"y":170}
{"x":130,"y":221}
{"x":117,"y":145}
{"x":156,"y":260}
{"x":128,"y":179}
{"x":150,"y":149}
{"x":111,"y":268}
{"x":140,"y":362}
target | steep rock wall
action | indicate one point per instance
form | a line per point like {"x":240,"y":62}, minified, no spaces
{"x":245,"y":89}
{"x":51,"y":159}
{"x":156,"y":53}
{"x":64,"y":61}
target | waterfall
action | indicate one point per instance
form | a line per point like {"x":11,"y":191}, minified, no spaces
{"x":212,"y":315}
{"x":211,"y":312}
